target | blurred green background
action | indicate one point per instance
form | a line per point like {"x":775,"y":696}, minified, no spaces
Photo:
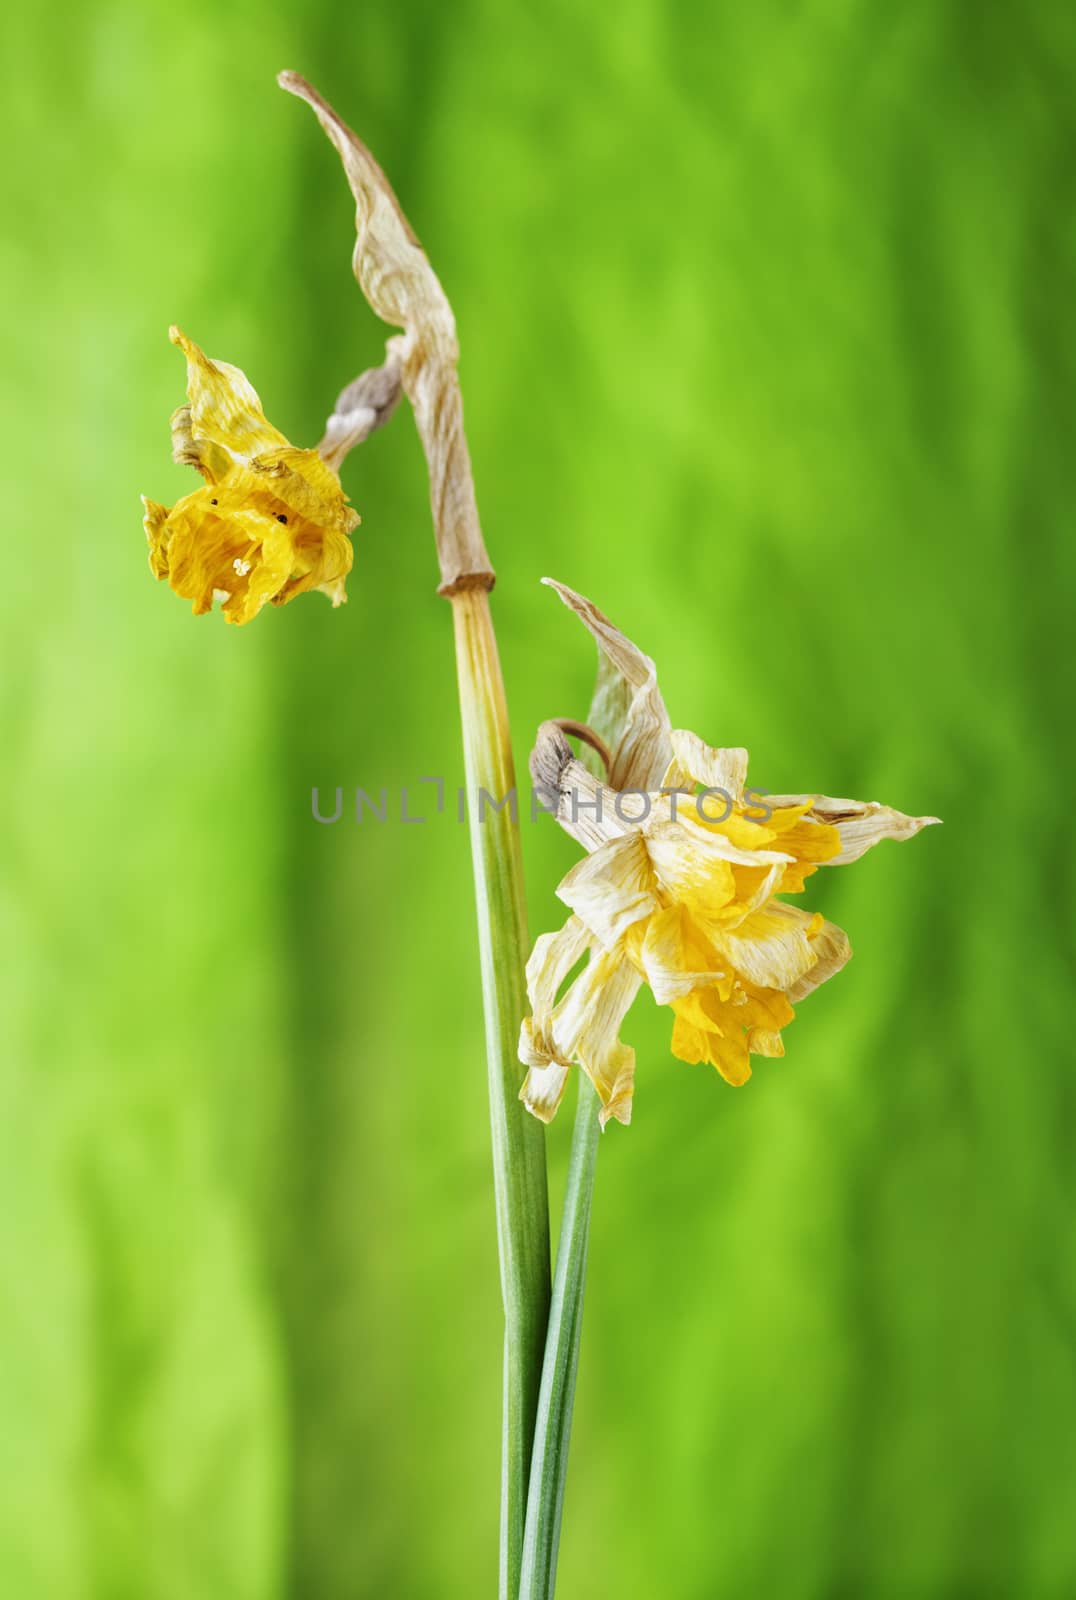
{"x":767,"y":326}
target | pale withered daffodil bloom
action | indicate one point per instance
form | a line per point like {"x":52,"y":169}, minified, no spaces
{"x":270,"y":521}
{"x":679,"y":889}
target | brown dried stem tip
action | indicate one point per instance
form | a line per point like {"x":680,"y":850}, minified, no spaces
{"x":402,"y":288}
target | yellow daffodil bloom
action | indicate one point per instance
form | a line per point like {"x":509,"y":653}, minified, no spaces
{"x":270,"y":522}
{"x":678,"y":890}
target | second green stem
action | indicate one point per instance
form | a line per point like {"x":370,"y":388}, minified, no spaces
{"x":551,"y":1435}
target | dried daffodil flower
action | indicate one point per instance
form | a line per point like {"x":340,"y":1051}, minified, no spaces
{"x":678,"y":890}
{"x":270,"y":522}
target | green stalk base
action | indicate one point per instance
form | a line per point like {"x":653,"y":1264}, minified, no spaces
{"x":518,"y":1139}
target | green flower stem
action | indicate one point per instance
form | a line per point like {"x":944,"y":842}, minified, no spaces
{"x":550,"y":1465}
{"x":518,"y":1139}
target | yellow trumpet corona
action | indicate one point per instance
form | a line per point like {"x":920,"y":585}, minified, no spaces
{"x":270,"y":521}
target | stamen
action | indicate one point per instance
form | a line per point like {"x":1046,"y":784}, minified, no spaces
{"x":242,"y":567}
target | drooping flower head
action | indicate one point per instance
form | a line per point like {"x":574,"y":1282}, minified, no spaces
{"x":679,"y":889}
{"x":270,"y":521}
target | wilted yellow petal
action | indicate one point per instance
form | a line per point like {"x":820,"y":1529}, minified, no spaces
{"x":754,"y":887}
{"x":692,"y":866}
{"x":208,"y":458}
{"x":772,"y":946}
{"x":702,"y":1040}
{"x":860,"y":823}
{"x":810,"y":842}
{"x":707,"y":872}
{"x":764,"y":1009}
{"x":154,"y":521}
{"x":225,"y":411}
{"x":675,"y":957}
{"x":739,"y":830}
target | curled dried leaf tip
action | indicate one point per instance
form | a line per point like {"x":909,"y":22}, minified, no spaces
{"x":679,"y":889}
{"x":270,"y":521}
{"x":402,"y":288}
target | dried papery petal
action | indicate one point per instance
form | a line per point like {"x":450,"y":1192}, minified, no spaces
{"x":619,"y":1080}
{"x":628,"y":711}
{"x":553,"y":957}
{"x":610,"y":705}
{"x":543,"y":1089}
{"x":832,"y":950}
{"x":587,"y":1026}
{"x":583,"y":1026}
{"x":694,"y":762}
{"x":612,"y":888}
